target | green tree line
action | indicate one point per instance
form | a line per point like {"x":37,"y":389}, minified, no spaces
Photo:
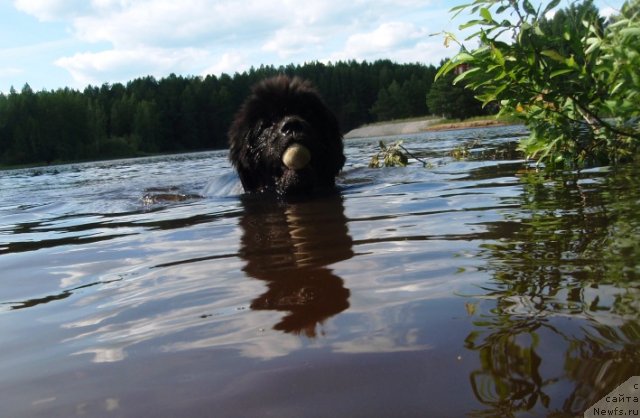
{"x":177,"y":113}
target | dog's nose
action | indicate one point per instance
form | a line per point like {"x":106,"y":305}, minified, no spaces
{"x":292,"y":124}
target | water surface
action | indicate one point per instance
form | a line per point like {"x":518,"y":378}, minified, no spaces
{"x":472,"y":287}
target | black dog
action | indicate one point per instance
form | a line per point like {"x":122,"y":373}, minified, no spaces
{"x":285,"y":139}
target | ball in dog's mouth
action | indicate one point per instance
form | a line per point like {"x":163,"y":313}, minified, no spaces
{"x":296,"y":157}
{"x":298,"y":177}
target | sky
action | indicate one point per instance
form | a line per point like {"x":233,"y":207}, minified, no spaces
{"x":53,"y":44}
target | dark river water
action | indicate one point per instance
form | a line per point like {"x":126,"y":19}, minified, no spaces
{"x":469,"y":287}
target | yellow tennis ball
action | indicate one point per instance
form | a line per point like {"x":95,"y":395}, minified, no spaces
{"x":296,"y":157}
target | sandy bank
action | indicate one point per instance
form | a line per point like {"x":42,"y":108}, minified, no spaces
{"x":416,"y":126}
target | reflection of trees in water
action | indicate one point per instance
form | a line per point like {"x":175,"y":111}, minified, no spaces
{"x":290,"y":245}
{"x":566,"y":280}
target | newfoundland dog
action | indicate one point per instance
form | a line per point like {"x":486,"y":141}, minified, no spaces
{"x":285,"y":139}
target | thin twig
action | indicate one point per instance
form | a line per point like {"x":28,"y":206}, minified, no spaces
{"x":424,"y":163}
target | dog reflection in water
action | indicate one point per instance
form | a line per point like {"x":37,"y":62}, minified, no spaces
{"x":290,"y":245}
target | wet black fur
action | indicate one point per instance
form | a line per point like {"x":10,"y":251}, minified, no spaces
{"x":280,"y":111}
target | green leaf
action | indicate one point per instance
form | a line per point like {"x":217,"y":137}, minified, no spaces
{"x":594,"y":44}
{"x":474,"y":35}
{"x":486,"y":14}
{"x":528,"y":7}
{"x":446,"y":67}
{"x":497,"y":54}
{"x":465,"y":75}
{"x":460,"y":7}
{"x":617,"y":87}
{"x":560,"y":72}
{"x":470,"y":23}
{"x":550,"y":6}
{"x":627,"y":32}
{"x":462,"y":57}
{"x":622,"y":22}
{"x":500,"y":90}
{"x":555,"y":55}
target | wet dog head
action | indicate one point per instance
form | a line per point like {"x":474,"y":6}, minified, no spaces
{"x":285,"y":139}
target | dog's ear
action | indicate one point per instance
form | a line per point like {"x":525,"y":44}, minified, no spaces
{"x":334,"y":142}
{"x":240,"y":155}
{"x":244,"y":130}
{"x":238,"y":152}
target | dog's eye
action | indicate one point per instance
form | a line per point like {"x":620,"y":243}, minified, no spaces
{"x":292,"y":125}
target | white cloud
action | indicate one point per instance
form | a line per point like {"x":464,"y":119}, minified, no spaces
{"x":90,"y":67}
{"x":608,"y":11}
{"x":402,"y":42}
{"x":230,"y":63}
{"x":429,"y":50}
{"x":290,"y":41}
{"x":385,"y":38}
{"x":167,"y":22}
{"x":123,"y":39}
{"x":48,"y":10}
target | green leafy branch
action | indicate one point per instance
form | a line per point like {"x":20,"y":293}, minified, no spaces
{"x":572,"y":79}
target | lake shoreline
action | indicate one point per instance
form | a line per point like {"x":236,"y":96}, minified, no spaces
{"x":389,"y":128}
{"x":413,"y":126}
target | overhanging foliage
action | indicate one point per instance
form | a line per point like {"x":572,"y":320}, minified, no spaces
{"x":573,"y":79}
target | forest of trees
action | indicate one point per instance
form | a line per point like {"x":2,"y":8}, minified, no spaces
{"x":178,"y":113}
